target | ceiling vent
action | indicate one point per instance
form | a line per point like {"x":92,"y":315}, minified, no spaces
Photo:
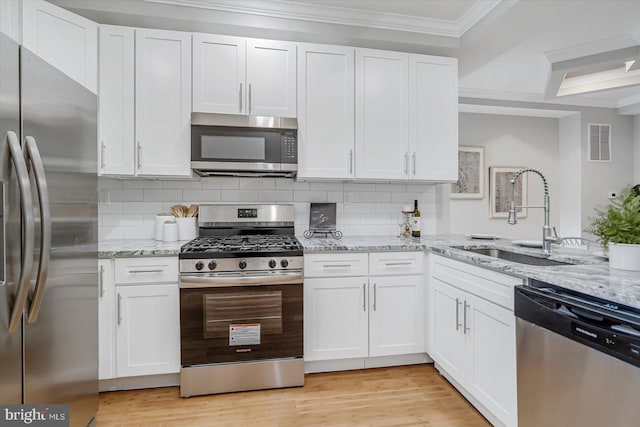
{"x":599,"y":143}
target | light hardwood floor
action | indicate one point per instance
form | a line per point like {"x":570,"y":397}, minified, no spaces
{"x":400,"y":396}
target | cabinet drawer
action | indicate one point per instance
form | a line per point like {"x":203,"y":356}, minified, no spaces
{"x":336,"y":265}
{"x":146,"y":270}
{"x":395,"y":263}
{"x":490,"y":285}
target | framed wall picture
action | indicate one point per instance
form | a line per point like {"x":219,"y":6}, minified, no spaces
{"x":500,"y":191}
{"x":322,"y":217}
{"x":470,"y":183}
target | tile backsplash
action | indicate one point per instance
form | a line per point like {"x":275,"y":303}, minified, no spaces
{"x":128,"y":206}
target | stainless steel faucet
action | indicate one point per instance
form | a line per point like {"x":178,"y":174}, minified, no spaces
{"x":549,"y":234}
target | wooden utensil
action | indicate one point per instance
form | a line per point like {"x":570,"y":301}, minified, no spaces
{"x":193,"y":211}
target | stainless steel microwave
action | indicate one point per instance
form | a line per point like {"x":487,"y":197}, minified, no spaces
{"x":237,"y":145}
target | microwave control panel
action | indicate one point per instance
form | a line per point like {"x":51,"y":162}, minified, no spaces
{"x":289,"y":146}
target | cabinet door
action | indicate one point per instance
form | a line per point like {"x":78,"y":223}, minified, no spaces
{"x":271,"y":76}
{"x":67,"y":41}
{"x":163,"y":102}
{"x":447,"y":334}
{"x":326,"y":111}
{"x":148,"y":329}
{"x":335,"y":318}
{"x":433,"y":118}
{"x":106,"y":309}
{"x":491,"y":357}
{"x":116,"y":101}
{"x":396,"y":313}
{"x":382,"y":123}
{"x":219,"y":64}
{"x":10,"y":19}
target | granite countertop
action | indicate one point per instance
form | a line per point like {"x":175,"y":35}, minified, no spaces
{"x":138,"y":247}
{"x":589,"y":274}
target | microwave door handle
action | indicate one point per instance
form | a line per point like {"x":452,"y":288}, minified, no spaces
{"x":28,"y":226}
{"x":33,"y":156}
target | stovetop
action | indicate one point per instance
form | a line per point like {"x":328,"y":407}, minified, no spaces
{"x":234,"y":246}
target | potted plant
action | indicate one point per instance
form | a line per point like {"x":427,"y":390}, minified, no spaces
{"x":618,"y":227}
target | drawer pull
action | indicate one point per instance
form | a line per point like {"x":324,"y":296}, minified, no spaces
{"x":160,"y":270}
{"x":398,"y":263}
{"x":336,"y":266}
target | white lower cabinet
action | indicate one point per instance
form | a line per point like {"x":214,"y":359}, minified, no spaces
{"x":473,"y":339}
{"x":362,"y":316}
{"x":139,"y":317}
{"x":148,"y":329}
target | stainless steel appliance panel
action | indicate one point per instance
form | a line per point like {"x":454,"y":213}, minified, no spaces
{"x":61,"y":343}
{"x":565,"y":383}
{"x":10,"y":227}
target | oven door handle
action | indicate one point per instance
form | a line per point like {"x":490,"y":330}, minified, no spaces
{"x":196,"y":281}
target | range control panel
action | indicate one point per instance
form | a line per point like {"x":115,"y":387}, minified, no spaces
{"x":247,"y":213}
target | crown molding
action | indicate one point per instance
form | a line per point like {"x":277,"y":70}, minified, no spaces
{"x":290,"y":9}
{"x":538,"y":98}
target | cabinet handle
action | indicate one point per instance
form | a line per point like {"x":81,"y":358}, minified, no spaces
{"x":119,"y":308}
{"x":102,"y":161}
{"x":249,"y":98}
{"x":351,"y":161}
{"x":240,"y":97}
{"x":397,"y":263}
{"x":465,"y":317}
{"x":159,"y":270}
{"x":139,"y":155}
{"x":375,"y":297}
{"x":458,"y":324}
{"x":101,"y":281}
{"x":406,"y":163}
{"x":336,"y":266}
{"x":364,"y":297}
{"x":413,"y":158}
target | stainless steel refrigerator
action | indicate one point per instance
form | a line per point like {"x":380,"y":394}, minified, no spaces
{"x":48,"y":236}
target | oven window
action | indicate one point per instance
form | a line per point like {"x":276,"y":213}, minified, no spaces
{"x":224,"y":147}
{"x":241,"y":315}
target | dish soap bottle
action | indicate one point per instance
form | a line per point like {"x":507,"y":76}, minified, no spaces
{"x":415,"y":226}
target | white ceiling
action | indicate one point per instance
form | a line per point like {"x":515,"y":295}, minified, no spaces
{"x":505,"y":47}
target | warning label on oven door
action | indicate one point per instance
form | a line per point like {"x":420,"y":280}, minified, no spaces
{"x":244,"y":334}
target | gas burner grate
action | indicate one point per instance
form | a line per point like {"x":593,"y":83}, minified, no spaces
{"x":252,"y":243}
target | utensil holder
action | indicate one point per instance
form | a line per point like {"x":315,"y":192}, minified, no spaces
{"x":186,"y":228}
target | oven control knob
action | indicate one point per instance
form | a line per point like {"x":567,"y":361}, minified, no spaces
{"x":199,"y":265}
{"x":212,"y":265}
{"x":284,"y":263}
{"x":242,"y":264}
{"x":272,"y":263}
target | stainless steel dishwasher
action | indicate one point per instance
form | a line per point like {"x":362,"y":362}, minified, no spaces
{"x":578,"y":359}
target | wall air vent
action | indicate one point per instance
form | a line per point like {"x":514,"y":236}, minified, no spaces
{"x":599,"y":143}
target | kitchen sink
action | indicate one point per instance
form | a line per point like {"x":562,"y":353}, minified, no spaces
{"x":514,"y":257}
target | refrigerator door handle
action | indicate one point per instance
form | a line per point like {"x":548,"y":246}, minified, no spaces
{"x":33,"y":156}
{"x":24,"y":185}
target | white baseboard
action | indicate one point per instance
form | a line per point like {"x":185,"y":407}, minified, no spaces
{"x":315,"y":366}
{"x":145,"y":381}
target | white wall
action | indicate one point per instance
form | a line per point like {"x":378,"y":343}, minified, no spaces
{"x":363,"y":209}
{"x":569,"y":184}
{"x":509,"y":141}
{"x":600,"y":178}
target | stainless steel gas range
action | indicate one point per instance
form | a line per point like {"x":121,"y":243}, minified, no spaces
{"x":241,"y":305}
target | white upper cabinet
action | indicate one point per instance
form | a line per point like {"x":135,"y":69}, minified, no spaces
{"x":326,"y":111}
{"x":219,"y":76}
{"x":67,"y":41}
{"x":433,"y":118}
{"x":163,"y":102}
{"x":233,"y":75}
{"x":382,"y":121}
{"x":116,"y":101}
{"x":10,"y":19}
{"x":271,"y":78}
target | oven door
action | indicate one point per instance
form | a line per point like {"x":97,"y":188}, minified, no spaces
{"x":239,"y":317}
